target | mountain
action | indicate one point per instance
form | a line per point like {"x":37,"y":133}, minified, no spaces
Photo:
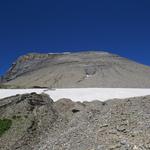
{"x":36,"y":122}
{"x":81,"y":69}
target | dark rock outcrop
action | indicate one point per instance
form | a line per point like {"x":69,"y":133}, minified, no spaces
{"x":32,"y":115}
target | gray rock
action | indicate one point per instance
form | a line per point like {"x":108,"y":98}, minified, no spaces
{"x":84,"y":69}
{"x":39,"y":123}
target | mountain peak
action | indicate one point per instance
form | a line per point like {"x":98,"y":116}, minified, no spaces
{"x":79,"y":69}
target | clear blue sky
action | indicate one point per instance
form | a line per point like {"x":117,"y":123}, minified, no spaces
{"x":117,"y":26}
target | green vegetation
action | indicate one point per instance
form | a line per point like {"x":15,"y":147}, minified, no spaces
{"x":5,"y":124}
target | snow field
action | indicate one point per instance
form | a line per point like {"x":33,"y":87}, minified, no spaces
{"x":81,"y":94}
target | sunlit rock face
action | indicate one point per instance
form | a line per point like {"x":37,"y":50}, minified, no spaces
{"x":82,"y":69}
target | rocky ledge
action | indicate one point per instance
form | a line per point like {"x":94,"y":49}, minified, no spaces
{"x":38,"y":123}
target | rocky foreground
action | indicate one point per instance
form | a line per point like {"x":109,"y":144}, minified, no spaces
{"x":38,"y":123}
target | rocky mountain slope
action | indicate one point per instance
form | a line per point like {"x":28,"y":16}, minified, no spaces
{"x":83,"y":69}
{"x":38,"y":123}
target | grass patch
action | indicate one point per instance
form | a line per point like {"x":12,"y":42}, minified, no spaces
{"x":5,"y":124}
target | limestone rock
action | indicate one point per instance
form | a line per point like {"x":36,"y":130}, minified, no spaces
{"x":82,"y":69}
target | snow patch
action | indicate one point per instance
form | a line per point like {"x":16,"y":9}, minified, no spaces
{"x":81,"y":94}
{"x":60,"y":53}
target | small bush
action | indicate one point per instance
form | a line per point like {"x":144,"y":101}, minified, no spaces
{"x":5,"y":124}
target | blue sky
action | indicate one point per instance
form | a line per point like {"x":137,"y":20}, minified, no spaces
{"x":118,"y":26}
